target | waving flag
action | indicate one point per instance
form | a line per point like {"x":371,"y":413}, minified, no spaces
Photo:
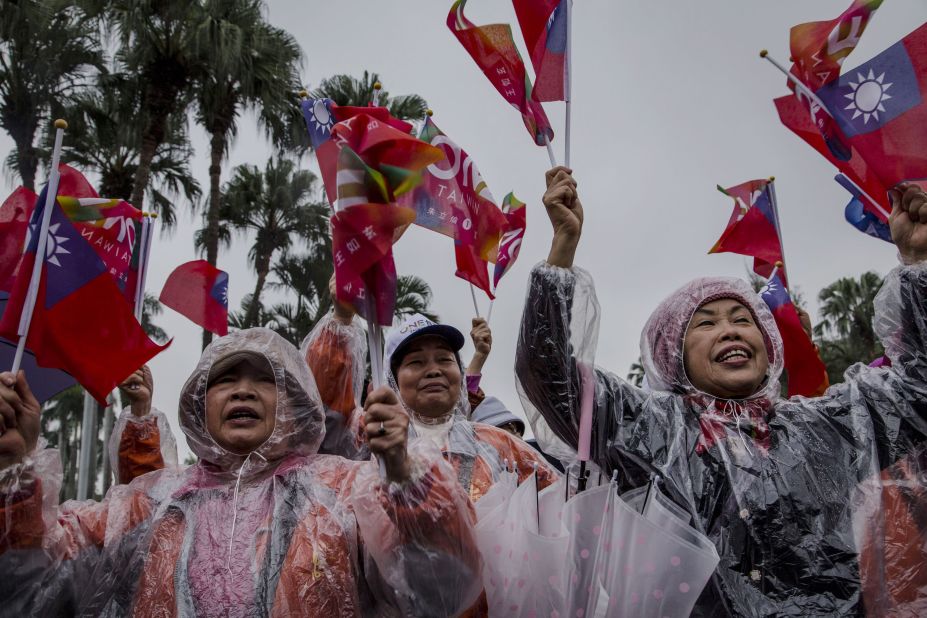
{"x":493,"y":49}
{"x":199,"y":291}
{"x":14,"y":220}
{"x":544,"y":26}
{"x":880,"y":110}
{"x":752,"y":229}
{"x":472,"y":268}
{"x":807,"y":375}
{"x":516,"y":223}
{"x":819,"y":48}
{"x":856,"y":214}
{"x":454,"y":200}
{"x":81,"y":322}
{"x":320,"y":119}
{"x":377,"y":164}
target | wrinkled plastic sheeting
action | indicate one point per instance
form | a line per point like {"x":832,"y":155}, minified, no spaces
{"x":796,"y":494}
{"x":140,"y":444}
{"x":593,"y":555}
{"x":281,"y":531}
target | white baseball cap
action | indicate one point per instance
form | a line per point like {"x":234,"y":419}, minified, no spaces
{"x":418,"y":326}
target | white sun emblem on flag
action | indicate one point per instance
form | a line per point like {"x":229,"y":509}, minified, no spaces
{"x":867,"y":96}
{"x":53,"y":247}
{"x":321,"y":116}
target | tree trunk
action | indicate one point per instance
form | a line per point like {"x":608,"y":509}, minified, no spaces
{"x":159,"y":101}
{"x":211,"y":235}
{"x":263,"y":268}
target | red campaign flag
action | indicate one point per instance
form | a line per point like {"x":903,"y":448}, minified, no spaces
{"x":454,"y":200}
{"x":493,"y":49}
{"x":881,"y":113}
{"x":14,"y":220}
{"x":806,"y":373}
{"x":471,"y":267}
{"x":819,"y":48}
{"x":516,"y":222}
{"x":81,"y":322}
{"x":544,"y":26}
{"x":199,"y":291}
{"x":362,"y":246}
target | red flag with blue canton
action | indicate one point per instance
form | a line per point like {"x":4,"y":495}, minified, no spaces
{"x":81,"y":322}
{"x":807,"y":375}
{"x":856,"y":214}
{"x":493,"y":49}
{"x":880,"y":110}
{"x":320,"y":119}
{"x":14,"y":220}
{"x":200,"y":292}
{"x":544,"y":26}
{"x":516,"y":222}
{"x":752,"y":228}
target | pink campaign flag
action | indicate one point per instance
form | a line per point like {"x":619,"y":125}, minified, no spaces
{"x":544,"y":25}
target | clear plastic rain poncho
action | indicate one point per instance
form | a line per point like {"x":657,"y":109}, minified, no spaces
{"x":791,"y":492}
{"x":336,"y":353}
{"x":282,"y":531}
{"x":140,"y":444}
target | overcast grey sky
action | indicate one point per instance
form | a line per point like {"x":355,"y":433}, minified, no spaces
{"x":670,"y":99}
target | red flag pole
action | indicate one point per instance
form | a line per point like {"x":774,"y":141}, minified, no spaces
{"x":51,"y":191}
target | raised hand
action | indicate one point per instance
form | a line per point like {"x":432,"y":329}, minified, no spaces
{"x":137,"y":389}
{"x":482,"y":345}
{"x":908,"y":221}
{"x":387,"y":426}
{"x":565,"y":212}
{"x":19,"y":419}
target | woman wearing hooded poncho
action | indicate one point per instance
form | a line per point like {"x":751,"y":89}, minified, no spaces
{"x":261,"y":526}
{"x":789,"y":491}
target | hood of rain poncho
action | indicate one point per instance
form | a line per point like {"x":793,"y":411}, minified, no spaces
{"x":300,"y":421}
{"x":663,"y":335}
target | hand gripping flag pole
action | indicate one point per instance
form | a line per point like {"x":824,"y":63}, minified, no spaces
{"x":25,"y":319}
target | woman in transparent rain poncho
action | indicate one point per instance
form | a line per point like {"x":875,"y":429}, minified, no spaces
{"x":262,"y":525}
{"x":789,"y":491}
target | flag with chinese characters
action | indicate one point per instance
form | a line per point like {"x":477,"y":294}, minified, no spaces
{"x":377,"y":163}
{"x":362,"y":244}
{"x":807,"y":375}
{"x":108,"y":225}
{"x":543,"y":24}
{"x":199,"y":291}
{"x":752,"y":229}
{"x":493,"y":49}
{"x":880,"y":110}
{"x":82,"y":323}
{"x":516,"y":222}
{"x":860,"y":218}
{"x":454,"y":200}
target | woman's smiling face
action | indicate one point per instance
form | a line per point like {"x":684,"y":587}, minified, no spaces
{"x":724,"y":351}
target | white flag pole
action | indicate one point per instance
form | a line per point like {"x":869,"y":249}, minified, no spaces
{"x":476,"y":307}
{"x":143,"y":246}
{"x":377,"y":86}
{"x":25,"y":318}
{"x":568,"y":82}
{"x":775,"y":208}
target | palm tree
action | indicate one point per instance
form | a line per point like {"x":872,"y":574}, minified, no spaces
{"x":248,"y":63}
{"x":102,"y":137}
{"x":157,"y":46}
{"x":47,"y":53}
{"x":413,"y":295}
{"x":277,"y":205}
{"x":845,"y":333}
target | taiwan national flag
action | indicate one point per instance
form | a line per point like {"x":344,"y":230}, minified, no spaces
{"x":14,"y":220}
{"x":493,"y":49}
{"x":880,"y":110}
{"x":752,"y":229}
{"x":807,"y":375}
{"x":544,"y":26}
{"x":320,"y":119}
{"x":199,"y":291}
{"x":863,"y":220}
{"x":81,"y":322}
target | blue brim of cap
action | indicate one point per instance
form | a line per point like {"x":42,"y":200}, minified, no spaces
{"x":450,"y":334}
